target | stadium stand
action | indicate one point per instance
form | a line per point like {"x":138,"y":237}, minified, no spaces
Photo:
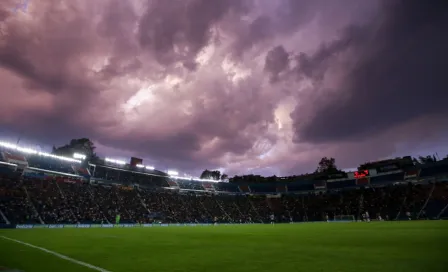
{"x":37,"y":189}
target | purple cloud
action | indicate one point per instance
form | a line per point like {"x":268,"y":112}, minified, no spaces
{"x":245,"y":86}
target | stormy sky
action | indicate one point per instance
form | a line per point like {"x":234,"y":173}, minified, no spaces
{"x":245,"y":86}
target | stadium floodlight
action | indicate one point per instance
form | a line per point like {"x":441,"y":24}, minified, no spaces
{"x":8,"y":145}
{"x":150,"y":167}
{"x":32,"y":151}
{"x":198,"y":179}
{"x":173,"y":173}
{"x":79,"y":156}
{"x":140,"y":166}
{"x":115,"y":161}
{"x":26,"y":150}
{"x":209,"y":180}
{"x":58,"y":157}
{"x":18,"y":148}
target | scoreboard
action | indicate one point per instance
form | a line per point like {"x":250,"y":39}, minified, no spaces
{"x":361,"y":174}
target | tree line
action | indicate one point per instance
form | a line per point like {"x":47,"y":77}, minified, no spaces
{"x":326,"y":166}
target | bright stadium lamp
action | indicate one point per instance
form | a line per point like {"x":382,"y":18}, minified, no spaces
{"x":140,"y":166}
{"x":26,"y":150}
{"x":150,"y":167}
{"x":79,"y":156}
{"x":115,"y":161}
{"x":35,"y":152}
{"x":8,"y":145}
{"x":173,"y":173}
{"x":209,"y":180}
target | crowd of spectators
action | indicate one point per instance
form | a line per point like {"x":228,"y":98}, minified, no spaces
{"x":14,"y":203}
{"x":60,"y":201}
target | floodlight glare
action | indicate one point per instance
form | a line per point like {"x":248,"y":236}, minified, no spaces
{"x":79,"y":156}
{"x":32,"y":151}
{"x":173,"y":173}
{"x":115,"y":161}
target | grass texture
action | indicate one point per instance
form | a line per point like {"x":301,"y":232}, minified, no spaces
{"x":376,"y":246}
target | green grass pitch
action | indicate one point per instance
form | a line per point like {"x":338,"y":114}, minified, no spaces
{"x":376,"y":246}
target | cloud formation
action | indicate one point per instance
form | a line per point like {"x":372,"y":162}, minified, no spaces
{"x":251,"y":86}
{"x":396,"y":74}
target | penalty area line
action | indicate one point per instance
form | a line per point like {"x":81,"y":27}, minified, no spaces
{"x":57,"y":255}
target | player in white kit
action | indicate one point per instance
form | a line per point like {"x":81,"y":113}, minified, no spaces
{"x":408,"y":215}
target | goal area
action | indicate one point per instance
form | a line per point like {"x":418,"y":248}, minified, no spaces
{"x":344,"y":218}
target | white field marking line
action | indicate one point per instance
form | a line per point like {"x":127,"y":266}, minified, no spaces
{"x":57,"y":255}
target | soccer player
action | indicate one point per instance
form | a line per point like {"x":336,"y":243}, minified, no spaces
{"x":367,"y":216}
{"x":215,"y":221}
{"x":272,"y":217}
{"x":408,"y":214}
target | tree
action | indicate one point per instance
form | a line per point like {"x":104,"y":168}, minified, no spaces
{"x":224,"y":177}
{"x":207,"y":174}
{"x":327,"y":165}
{"x":426,"y":159}
{"x":83,"y":146}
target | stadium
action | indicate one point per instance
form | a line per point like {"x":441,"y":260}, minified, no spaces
{"x":74,"y":214}
{"x":212,"y":131}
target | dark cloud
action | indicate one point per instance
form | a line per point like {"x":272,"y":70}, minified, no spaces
{"x":399,"y":74}
{"x":178,"y":30}
{"x":200,"y":84}
{"x":292,"y":14}
{"x":277,"y":61}
{"x":315,"y":66}
{"x":46,"y":54}
{"x":252,"y":33}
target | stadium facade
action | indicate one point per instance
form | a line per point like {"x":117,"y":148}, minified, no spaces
{"x":40,"y":190}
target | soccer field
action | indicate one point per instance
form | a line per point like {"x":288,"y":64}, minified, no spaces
{"x":376,"y":246}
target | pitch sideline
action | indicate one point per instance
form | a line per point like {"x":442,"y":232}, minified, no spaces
{"x":58,"y":255}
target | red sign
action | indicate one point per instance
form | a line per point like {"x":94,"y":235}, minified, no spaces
{"x":361,"y":174}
